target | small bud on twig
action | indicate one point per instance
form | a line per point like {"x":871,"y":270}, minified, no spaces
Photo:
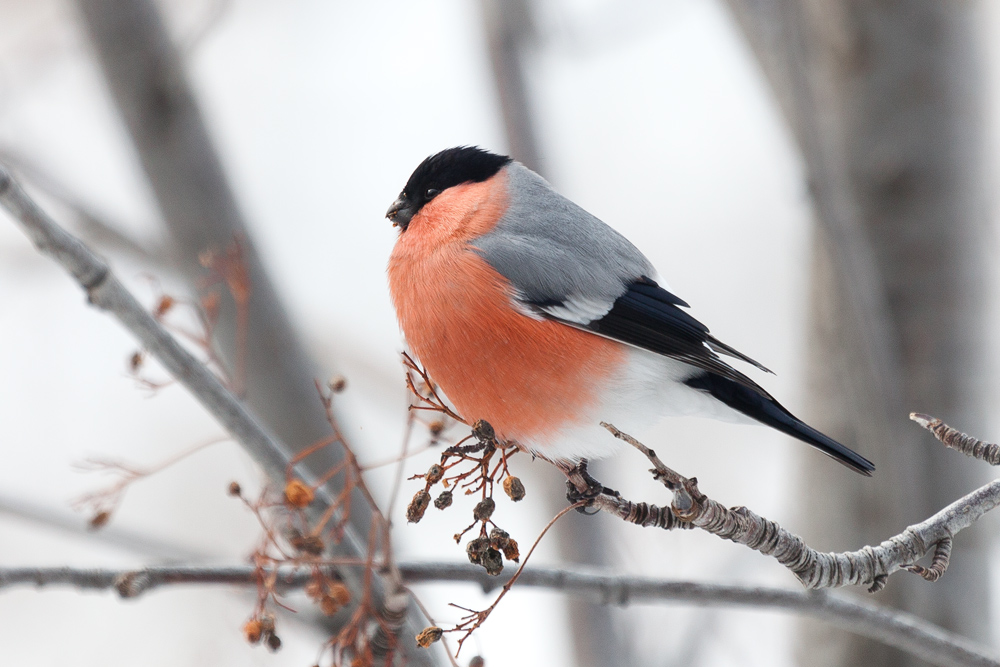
{"x":235,"y":489}
{"x":100,"y":520}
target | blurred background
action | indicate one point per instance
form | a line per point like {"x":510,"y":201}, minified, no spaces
{"x":816,"y":179}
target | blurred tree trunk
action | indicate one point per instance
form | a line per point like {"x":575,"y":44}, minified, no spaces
{"x":148,"y":83}
{"x":886,"y":102}
{"x":509,"y":32}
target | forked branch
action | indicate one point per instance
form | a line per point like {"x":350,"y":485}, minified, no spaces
{"x":869,"y":566}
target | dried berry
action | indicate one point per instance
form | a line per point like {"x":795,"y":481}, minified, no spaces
{"x":476,"y":548}
{"x":484,"y":509}
{"x":252,"y":631}
{"x":315,"y":589}
{"x":499,"y":538}
{"x":273,"y":642}
{"x":434,"y":474}
{"x":428,"y":636}
{"x":329,"y":606}
{"x":443,"y":501}
{"x":235,"y":489}
{"x":483,"y":431}
{"x":492,"y":562}
{"x":308,"y":544}
{"x":514,"y":489}
{"x":417,"y":507}
{"x":337,"y":384}
{"x":340,"y":593}
{"x":477,"y":662}
{"x":267,"y":623}
{"x":510,"y":551}
{"x":298,"y":493}
{"x":435,"y":427}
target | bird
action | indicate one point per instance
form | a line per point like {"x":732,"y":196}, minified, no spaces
{"x":532,"y":314}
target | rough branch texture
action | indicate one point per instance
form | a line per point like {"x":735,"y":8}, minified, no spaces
{"x":895,"y":628}
{"x":868,"y":566}
{"x":106,"y":292}
{"x":886,"y":101}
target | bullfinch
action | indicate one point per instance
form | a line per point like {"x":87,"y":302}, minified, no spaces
{"x":532,"y":314}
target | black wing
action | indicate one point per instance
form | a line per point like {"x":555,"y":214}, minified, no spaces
{"x":650,"y":317}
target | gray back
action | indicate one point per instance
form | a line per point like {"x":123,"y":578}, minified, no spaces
{"x":552,"y":250}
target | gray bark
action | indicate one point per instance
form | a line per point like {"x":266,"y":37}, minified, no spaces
{"x":886,"y":102}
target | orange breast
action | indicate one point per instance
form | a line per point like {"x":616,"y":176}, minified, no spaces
{"x":527,"y":377}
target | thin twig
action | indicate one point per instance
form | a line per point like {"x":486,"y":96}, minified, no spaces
{"x":107,"y":293}
{"x":955,"y":439}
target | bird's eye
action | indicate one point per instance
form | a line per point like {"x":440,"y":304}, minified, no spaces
{"x":431,"y":193}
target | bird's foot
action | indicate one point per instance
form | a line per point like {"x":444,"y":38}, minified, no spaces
{"x":592,"y":491}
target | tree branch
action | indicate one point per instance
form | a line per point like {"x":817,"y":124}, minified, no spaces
{"x":895,"y":628}
{"x":106,"y":292}
{"x":869,"y":566}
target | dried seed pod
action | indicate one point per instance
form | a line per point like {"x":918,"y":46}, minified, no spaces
{"x":476,"y":548}
{"x":417,"y":507}
{"x":499,"y":539}
{"x":435,"y":427}
{"x":483,"y":431}
{"x":329,"y":606}
{"x":308,"y":544}
{"x":510,"y":551}
{"x":252,"y":631}
{"x":340,"y":593}
{"x":273,"y":643}
{"x":484,"y":509}
{"x":337,"y":384}
{"x":514,"y":489}
{"x":298,"y":493}
{"x":434,"y":474}
{"x":267,"y":623}
{"x":428,"y":636}
{"x":235,"y":489}
{"x":492,"y":562}
{"x":314,"y":589}
{"x":443,"y":501}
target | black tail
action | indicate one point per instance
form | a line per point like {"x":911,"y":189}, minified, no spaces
{"x":768,"y":411}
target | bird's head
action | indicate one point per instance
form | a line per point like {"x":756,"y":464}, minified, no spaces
{"x":437,"y":173}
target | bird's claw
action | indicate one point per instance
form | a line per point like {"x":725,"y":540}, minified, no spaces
{"x":592,"y":491}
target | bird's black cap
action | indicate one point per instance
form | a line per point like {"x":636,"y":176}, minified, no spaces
{"x":437,"y":173}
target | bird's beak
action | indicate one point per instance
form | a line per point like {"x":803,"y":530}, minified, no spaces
{"x":400,"y":212}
